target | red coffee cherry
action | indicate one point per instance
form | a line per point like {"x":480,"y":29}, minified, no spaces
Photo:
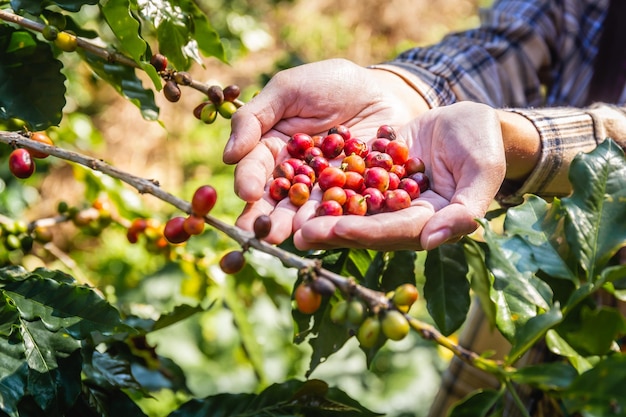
{"x":356,"y":204}
{"x":171,"y":91}
{"x":354,"y":163}
{"x":323,"y":286}
{"x":332,"y":145}
{"x":331,"y":177}
{"x":329,"y":208}
{"x":355,"y":146}
{"x":319,"y":164}
{"x":375,"y":199}
{"x":379,"y":145}
{"x":386,"y":131}
{"x":284,"y":170}
{"x":397,"y":200}
{"x":379,"y":159}
{"x":262,"y":226}
{"x":307,"y":300}
{"x":232,"y":262}
{"x":410,"y":186}
{"x":279,"y":188}
{"x":299,"y":194}
{"x":159,"y":62}
{"x":231,"y":92}
{"x":341,"y":130}
{"x":422,"y":180}
{"x":337,"y":194}
{"x":376,"y":177}
{"x":40,"y":137}
{"x":298,"y":144}
{"x":354,"y":181}
{"x":203,"y":200}
{"x":174,"y":230}
{"x":399,"y":151}
{"x":413,"y":165}
{"x":194,"y":225}
{"x":21,"y":164}
{"x":215,"y":95}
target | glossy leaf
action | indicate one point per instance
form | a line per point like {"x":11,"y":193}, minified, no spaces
{"x":517,"y":294}
{"x":14,"y":371}
{"x":126,"y":82}
{"x":290,"y":398}
{"x":546,"y":376}
{"x":533,"y":330}
{"x":36,"y":6}
{"x":476,"y":404}
{"x":400,"y":270}
{"x":125,"y":27}
{"x":533,"y":221}
{"x":480,"y":278}
{"x":599,"y":391}
{"x":109,"y":371}
{"x":40,"y":101}
{"x":447,"y":289}
{"x":596,"y":222}
{"x":78,"y":310}
{"x":558,"y":345}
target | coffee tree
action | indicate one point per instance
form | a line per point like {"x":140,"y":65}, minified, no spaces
{"x":71,"y":344}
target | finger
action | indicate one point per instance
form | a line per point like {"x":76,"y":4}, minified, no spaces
{"x":253,"y":171}
{"x":447,"y":225}
{"x":249,"y":123}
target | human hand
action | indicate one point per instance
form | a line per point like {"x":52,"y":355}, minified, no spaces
{"x":462,"y":148}
{"x":310,"y":98}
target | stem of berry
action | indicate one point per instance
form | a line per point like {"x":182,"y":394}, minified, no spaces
{"x":376,"y":300}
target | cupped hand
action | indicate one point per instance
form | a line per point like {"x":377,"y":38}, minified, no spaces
{"x":311,"y":99}
{"x":461,"y":146}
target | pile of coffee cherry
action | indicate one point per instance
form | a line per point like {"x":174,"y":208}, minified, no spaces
{"x":378,"y":178}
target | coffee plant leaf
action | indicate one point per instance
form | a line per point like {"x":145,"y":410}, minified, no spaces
{"x":533,"y":222}
{"x":76,"y":309}
{"x":480,"y":278}
{"x":35,"y":7}
{"x":125,"y":27}
{"x":559,"y":346}
{"x":447,"y":289}
{"x":477,"y":404}
{"x":124,"y":79}
{"x":518,"y":295}
{"x":592,"y":331}
{"x":546,"y":376}
{"x":595,"y":226}
{"x":38,"y":102}
{"x":289,"y":398}
{"x":534,"y":329}
{"x":400,"y":270}
{"x":600,"y":390}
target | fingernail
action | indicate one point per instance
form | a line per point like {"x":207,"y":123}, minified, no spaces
{"x":437,"y":238}
{"x":230,"y":144}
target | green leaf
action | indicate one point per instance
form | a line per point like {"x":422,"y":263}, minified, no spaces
{"x":533,"y":330}
{"x":40,"y":101}
{"x":109,"y":371}
{"x":126,"y":82}
{"x":599,"y":391}
{"x":546,"y":376}
{"x":78,"y":310}
{"x":14,"y":371}
{"x":596,"y":222}
{"x":290,"y":398}
{"x":173,"y":36}
{"x":593,"y":331}
{"x":179,"y":313}
{"x":35,"y":6}
{"x":476,"y":404}
{"x":516,"y":294}
{"x":208,"y":40}
{"x":558,"y":345}
{"x":536,"y":224}
{"x":447,"y":289}
{"x":400,"y":270}
{"x":358,"y":263}
{"x":124,"y":26}
{"x":480,"y":278}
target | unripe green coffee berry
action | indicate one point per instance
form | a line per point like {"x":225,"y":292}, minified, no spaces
{"x":369,"y":332}
{"x":13,"y":242}
{"x":394,"y":325}
{"x":50,"y":32}
{"x":227,"y":109}
{"x":356,"y":312}
{"x":208,"y":114}
{"x":339,"y":311}
{"x":405,"y":295}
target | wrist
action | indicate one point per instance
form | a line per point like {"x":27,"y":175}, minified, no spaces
{"x":522,"y":144}
{"x":405,"y":86}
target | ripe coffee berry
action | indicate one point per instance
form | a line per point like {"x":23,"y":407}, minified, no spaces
{"x":174,"y":230}
{"x":323,"y":286}
{"x":329,"y":208}
{"x":231,"y":92}
{"x":386,"y":131}
{"x":21,"y":164}
{"x":40,"y":137}
{"x":299,"y":194}
{"x":298,"y":144}
{"x":307,"y":300}
{"x":203,"y":200}
{"x":262,"y":226}
{"x":159,"y":62}
{"x":332,"y":145}
{"x":341,"y":130}
{"x":279,"y":188}
{"x":194,"y":225}
{"x":215,"y":94}
{"x":232,"y":262}
{"x":171,"y":91}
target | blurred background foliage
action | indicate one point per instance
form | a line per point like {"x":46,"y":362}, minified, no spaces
{"x":244,"y":340}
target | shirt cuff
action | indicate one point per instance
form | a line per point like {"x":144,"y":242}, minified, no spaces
{"x":564,"y":133}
